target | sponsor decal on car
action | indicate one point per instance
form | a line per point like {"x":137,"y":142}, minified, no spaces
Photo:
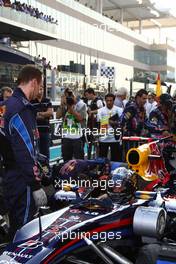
{"x":17,"y":254}
{"x":31,"y":244}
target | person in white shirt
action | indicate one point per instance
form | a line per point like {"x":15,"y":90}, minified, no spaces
{"x":121,"y":97}
{"x":109,"y":119}
{"x":151,"y":103}
{"x":74,"y":120}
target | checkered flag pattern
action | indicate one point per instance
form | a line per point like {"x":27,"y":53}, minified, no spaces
{"x":107,"y":72}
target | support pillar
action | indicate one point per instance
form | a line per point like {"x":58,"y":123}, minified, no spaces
{"x":99,"y":6}
{"x":140,"y":26}
{"x":121,"y":16}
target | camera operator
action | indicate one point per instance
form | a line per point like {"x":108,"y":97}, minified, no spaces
{"x":61,"y":111}
{"x":73,"y":121}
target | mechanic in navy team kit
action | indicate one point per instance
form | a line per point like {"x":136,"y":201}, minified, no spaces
{"x":22,"y":188}
{"x":133,"y":120}
{"x":159,"y":122}
{"x":134,"y":115}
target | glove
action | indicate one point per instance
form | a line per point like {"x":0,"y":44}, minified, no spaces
{"x":40,"y":198}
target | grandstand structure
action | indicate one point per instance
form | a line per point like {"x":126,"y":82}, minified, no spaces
{"x":15,"y":28}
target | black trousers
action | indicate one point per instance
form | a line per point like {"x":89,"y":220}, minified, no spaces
{"x":72,"y":148}
{"x":115,"y":148}
{"x":21,"y":210}
{"x":44,"y":143}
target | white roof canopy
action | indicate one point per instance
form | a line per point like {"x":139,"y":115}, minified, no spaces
{"x":151,"y":13}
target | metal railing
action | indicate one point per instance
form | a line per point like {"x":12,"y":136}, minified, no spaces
{"x":27,"y":19}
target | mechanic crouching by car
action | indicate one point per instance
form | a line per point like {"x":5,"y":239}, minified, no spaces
{"x":18,"y":140}
{"x":159,"y":123}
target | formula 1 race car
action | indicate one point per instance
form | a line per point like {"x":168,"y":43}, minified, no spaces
{"x":148,"y":162}
{"x":110,"y":227}
{"x":95,"y":229}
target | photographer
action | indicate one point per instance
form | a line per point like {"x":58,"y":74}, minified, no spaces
{"x":73,"y":121}
{"x":63,"y":106}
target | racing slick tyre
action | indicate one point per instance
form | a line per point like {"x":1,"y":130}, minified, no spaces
{"x":157,"y":253}
{"x":148,"y":254}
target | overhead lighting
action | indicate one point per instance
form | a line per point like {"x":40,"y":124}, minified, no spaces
{"x":139,"y":2}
